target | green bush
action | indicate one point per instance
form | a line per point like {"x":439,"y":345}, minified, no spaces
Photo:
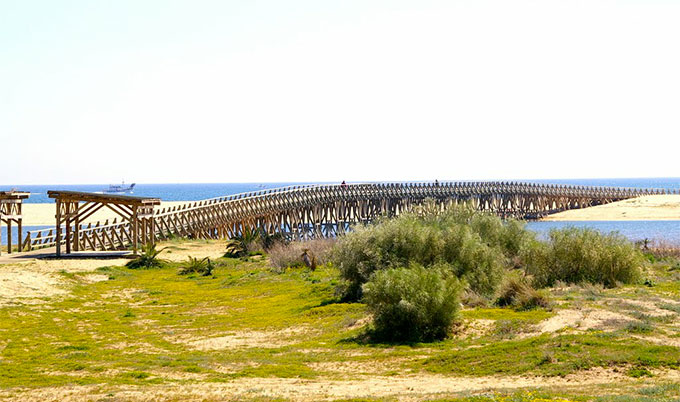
{"x":515,"y":292}
{"x":475,"y":245}
{"x":148,"y":258}
{"x":202,"y":267}
{"x":576,"y":255}
{"x":414,"y":303}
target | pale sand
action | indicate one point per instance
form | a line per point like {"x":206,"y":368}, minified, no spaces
{"x":400,"y":387}
{"x":44,"y":214}
{"x":647,"y":208}
{"x":32,"y":281}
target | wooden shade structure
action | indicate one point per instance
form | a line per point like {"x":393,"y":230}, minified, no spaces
{"x":74,"y":207}
{"x":10,"y":212}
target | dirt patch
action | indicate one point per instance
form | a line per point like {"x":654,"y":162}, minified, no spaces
{"x":401,"y":387}
{"x":245,"y":339}
{"x":582,"y":320}
{"x":476,"y":328}
{"x":32,"y":281}
{"x":28,"y":286}
{"x":196,"y":249}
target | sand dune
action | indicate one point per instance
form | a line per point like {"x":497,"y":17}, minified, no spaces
{"x":651,"y":207}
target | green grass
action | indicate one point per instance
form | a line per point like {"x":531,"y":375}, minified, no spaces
{"x":129,"y":325}
{"x":554,"y":355}
{"x":133,"y":329}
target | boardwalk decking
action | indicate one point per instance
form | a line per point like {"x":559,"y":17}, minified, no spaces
{"x":302,"y":212}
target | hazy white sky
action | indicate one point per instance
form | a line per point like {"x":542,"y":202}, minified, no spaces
{"x":240,"y":91}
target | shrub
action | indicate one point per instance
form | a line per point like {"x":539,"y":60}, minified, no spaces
{"x":202,"y":267}
{"x":282,"y":256}
{"x":414,"y":303}
{"x":243,"y":243}
{"x":515,"y":292}
{"x":427,"y":238}
{"x":575,"y":255}
{"x":472,"y":299}
{"x":252,"y":242}
{"x":148,"y":258}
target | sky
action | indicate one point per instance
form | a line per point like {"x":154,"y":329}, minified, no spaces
{"x":293,"y":91}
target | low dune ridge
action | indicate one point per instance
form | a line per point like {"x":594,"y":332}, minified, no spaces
{"x":647,"y":208}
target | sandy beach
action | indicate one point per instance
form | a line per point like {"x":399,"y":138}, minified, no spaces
{"x":651,"y":207}
{"x":43,"y":214}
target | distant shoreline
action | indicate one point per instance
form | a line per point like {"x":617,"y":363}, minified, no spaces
{"x":647,"y":208}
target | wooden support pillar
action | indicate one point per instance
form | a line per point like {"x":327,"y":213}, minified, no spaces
{"x":20,"y":229}
{"x":67,"y":222}
{"x":135,"y":230}
{"x":9,"y":236}
{"x":58,"y":228}
{"x":152,"y":225}
{"x":76,"y":229}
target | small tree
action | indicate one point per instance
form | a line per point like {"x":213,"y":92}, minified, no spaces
{"x":413,"y":304}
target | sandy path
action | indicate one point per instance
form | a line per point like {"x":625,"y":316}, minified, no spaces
{"x":32,"y":280}
{"x":43,"y":214}
{"x":412,"y":387}
{"x":651,"y":207}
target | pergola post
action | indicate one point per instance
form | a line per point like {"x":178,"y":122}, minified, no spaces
{"x":58,"y":227}
{"x":135,"y":230}
{"x":11,"y":212}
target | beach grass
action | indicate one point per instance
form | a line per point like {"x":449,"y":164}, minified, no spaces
{"x":120,"y":327}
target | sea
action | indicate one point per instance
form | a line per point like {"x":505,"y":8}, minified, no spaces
{"x":634,"y":230}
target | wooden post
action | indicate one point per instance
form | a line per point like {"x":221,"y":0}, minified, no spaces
{"x":76,"y":232}
{"x":19,"y":234}
{"x":135,"y":230}
{"x":9,"y":236}
{"x":67,"y":221}
{"x":152,"y":223}
{"x":58,"y":237}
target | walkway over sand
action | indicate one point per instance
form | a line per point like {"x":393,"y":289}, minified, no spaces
{"x":301,"y":212}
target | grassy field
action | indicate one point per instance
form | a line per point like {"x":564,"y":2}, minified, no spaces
{"x":250,"y":333}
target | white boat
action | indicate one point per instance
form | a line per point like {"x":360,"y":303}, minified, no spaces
{"x":119,"y":188}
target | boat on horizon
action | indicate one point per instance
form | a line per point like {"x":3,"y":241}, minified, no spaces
{"x":119,"y":188}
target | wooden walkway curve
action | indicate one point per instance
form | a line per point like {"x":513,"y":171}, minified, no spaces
{"x":302,"y":212}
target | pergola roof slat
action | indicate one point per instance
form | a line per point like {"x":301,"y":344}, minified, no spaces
{"x":103,"y":198}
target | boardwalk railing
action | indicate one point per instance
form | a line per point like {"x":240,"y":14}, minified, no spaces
{"x":308,"y":211}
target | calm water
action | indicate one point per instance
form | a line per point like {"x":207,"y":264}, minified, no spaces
{"x":635,"y":230}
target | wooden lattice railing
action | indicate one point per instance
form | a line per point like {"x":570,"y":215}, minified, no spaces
{"x":329,"y":210}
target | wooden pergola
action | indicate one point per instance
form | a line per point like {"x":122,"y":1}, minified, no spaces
{"x":10,"y":211}
{"x":74,"y":207}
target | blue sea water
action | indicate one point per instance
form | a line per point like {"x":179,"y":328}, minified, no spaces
{"x":635,"y":230}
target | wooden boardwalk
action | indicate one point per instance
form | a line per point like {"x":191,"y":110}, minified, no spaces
{"x":303,"y":212}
